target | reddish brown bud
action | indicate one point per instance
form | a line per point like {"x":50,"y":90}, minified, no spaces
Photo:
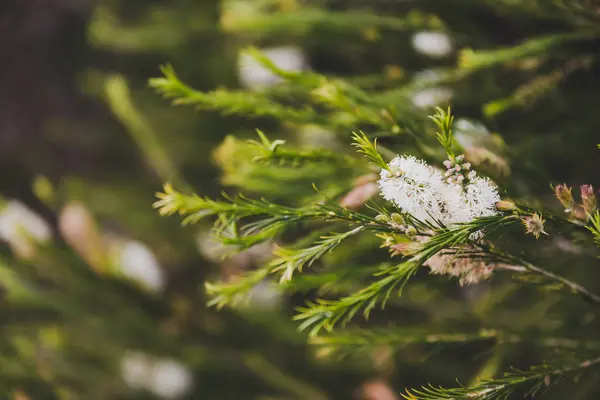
{"x":564,"y":195}
{"x":588,"y":199}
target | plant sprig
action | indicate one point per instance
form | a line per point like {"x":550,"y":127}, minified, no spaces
{"x":443,"y":120}
{"x":530,"y":382}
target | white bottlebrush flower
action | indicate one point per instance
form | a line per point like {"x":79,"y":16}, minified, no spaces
{"x":137,"y":262}
{"x":431,"y":97}
{"x":419,"y":189}
{"x":432,"y":44}
{"x":22,"y":228}
{"x":254,"y":76}
{"x":458,"y":196}
{"x":480,"y":197}
{"x":425,"y":193}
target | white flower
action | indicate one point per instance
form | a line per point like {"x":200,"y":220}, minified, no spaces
{"x":428,"y":195}
{"x":431,"y":97}
{"x":170,"y":379}
{"x":137,"y":262}
{"x":254,"y":76}
{"x":415,"y":188}
{"x":22,"y":228}
{"x":432,"y":44}
{"x":424,"y":192}
{"x":480,"y":197}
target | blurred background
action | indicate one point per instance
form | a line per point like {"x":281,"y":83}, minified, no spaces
{"x":103,"y":299}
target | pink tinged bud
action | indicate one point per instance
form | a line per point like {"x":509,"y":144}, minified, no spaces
{"x":460,"y":158}
{"x":460,"y":178}
{"x":359,"y":195}
{"x":467,"y":166}
{"x":588,"y":199}
{"x":447,"y":163}
{"x":79,"y":230}
{"x":564,"y":195}
{"x":404,"y":249}
{"x":534,"y":225}
{"x":457,"y":168}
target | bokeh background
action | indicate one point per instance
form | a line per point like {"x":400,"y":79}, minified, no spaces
{"x":104,"y":299}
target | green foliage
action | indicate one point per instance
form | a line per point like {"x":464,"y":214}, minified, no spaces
{"x":528,"y":382}
{"x":443,"y":120}
{"x":301,"y":238}
{"x":594,"y":226}
{"x":364,"y":146}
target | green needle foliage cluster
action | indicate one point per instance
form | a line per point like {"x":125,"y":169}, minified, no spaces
{"x":497,"y":98}
{"x":309,"y":228}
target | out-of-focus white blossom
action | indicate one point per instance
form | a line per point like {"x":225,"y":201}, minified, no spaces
{"x":170,"y":379}
{"x":431,"y":97}
{"x":79,"y":230}
{"x":254,"y":76}
{"x":137,"y":262}
{"x":166,"y":378}
{"x":265,"y":296}
{"x":432,"y":44}
{"x":469,"y":134}
{"x":136,"y":369}
{"x":22,"y":228}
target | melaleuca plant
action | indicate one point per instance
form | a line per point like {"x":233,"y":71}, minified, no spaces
{"x":426,"y":217}
{"x":445,"y":218}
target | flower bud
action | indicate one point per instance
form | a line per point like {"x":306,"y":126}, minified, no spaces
{"x":564,"y":195}
{"x":505,"y":205}
{"x":410,"y":231}
{"x":381,"y":218}
{"x":397,"y":219}
{"x":588,"y":199}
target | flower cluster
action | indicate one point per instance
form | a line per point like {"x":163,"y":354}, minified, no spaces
{"x":469,"y":270}
{"x":426,"y":194}
{"x":458,"y":171}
